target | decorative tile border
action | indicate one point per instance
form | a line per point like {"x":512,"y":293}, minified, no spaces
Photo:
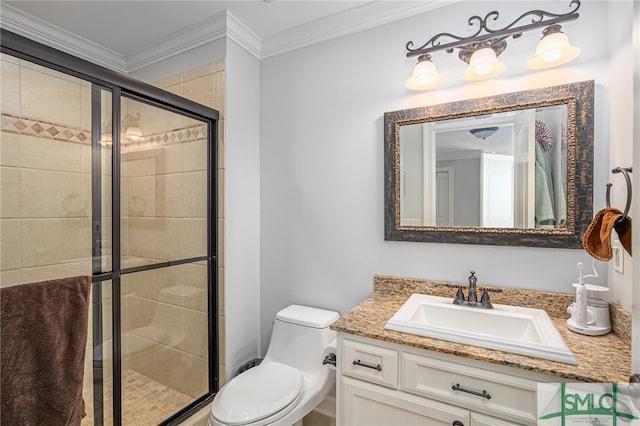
{"x":61,"y":132}
{"x":197,"y":132}
{"x":43,"y":129}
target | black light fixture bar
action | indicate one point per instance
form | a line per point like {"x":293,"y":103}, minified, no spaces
{"x":493,"y":36}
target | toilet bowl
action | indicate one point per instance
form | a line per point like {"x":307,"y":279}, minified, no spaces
{"x":291,"y":379}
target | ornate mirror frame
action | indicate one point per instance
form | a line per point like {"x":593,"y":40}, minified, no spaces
{"x":578,"y":97}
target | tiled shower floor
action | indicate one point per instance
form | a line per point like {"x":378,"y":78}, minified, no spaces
{"x":145,"y":401}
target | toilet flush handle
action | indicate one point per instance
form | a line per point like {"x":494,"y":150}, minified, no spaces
{"x":329,"y":359}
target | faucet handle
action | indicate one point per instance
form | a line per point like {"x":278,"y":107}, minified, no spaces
{"x":485,"y":301}
{"x":459,"y":299}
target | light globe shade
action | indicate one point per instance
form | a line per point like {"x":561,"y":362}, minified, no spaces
{"x":552,"y":50}
{"x":483,"y":64}
{"x":424,"y":76}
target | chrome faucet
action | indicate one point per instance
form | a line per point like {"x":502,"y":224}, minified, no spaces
{"x":472,"y":298}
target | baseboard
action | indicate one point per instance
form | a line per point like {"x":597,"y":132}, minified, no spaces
{"x":327,"y":407}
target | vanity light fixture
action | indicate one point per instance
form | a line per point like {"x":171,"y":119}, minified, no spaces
{"x":483,"y":64}
{"x":424,"y":76}
{"x":553,"y":49}
{"x":481,"y":50}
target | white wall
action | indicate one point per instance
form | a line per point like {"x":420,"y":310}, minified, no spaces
{"x":242,"y":207}
{"x":322,"y":159}
{"x":621,"y":127}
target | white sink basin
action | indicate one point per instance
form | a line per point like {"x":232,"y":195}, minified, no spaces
{"x":513,"y":329}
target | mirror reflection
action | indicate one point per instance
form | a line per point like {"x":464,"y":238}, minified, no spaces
{"x":501,"y":170}
{"x":508,"y":169}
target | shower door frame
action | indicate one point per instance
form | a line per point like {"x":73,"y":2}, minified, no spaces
{"x":121,"y":86}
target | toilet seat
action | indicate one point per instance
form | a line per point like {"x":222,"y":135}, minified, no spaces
{"x":268,"y":390}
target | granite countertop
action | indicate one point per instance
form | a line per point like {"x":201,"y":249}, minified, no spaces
{"x":600,"y":358}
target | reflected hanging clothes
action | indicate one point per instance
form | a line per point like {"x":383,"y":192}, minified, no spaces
{"x":561,"y":185}
{"x":545,"y":216}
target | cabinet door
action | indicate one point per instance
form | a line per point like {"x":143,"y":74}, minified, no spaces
{"x":364,"y":404}
{"x":478,"y":419}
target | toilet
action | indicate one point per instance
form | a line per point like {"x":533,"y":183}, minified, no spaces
{"x":291,"y":379}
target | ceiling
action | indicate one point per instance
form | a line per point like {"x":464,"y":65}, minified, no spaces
{"x":120,"y":34}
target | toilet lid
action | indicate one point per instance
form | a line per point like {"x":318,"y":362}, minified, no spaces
{"x":257,"y":393}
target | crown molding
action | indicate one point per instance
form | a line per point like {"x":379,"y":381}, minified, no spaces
{"x":351,"y":21}
{"x":214,"y":28}
{"x":241,"y":34}
{"x":196,"y":35}
{"x":36,"y":29}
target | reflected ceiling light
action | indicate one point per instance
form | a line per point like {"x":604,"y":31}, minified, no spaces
{"x":484,"y":132}
{"x":481,"y":49}
{"x":131,"y":126}
{"x":133,"y":132}
{"x":553,"y":49}
{"x":105,"y":137}
{"x":425,"y":75}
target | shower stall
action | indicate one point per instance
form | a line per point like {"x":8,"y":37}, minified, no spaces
{"x":105,"y":176}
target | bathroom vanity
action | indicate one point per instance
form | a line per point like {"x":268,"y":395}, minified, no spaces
{"x":387,"y":378}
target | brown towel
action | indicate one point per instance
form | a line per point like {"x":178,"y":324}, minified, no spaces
{"x":43,"y":333}
{"x":623,"y":228}
{"x":597,"y":238}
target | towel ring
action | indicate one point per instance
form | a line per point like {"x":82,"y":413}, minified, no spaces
{"x":625,"y":171}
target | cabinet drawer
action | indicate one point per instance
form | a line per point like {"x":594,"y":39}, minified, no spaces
{"x":369,"y":362}
{"x":507,"y":396}
{"x":365,"y":404}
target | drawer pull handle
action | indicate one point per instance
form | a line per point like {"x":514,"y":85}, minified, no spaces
{"x":483,"y":394}
{"x":364,"y":364}
{"x":457,"y":423}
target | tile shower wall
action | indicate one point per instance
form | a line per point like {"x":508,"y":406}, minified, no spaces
{"x":45,"y":181}
{"x":206,"y":85}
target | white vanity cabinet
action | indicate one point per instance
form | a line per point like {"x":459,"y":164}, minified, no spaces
{"x":385,"y":384}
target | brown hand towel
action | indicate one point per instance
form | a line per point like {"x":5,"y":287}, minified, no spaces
{"x":623,"y":228}
{"x":597,"y":238}
{"x":43,"y":332}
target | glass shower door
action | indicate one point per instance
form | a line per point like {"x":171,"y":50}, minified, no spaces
{"x":96,"y":180}
{"x":164,"y":247}
{"x":49,"y":202}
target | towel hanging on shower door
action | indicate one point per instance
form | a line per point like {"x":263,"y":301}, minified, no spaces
{"x":44,"y":335}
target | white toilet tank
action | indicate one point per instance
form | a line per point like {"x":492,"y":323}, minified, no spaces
{"x":295,"y":354}
{"x":300,"y":334}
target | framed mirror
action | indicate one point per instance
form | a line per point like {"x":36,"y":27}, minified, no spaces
{"x":511,"y":169}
